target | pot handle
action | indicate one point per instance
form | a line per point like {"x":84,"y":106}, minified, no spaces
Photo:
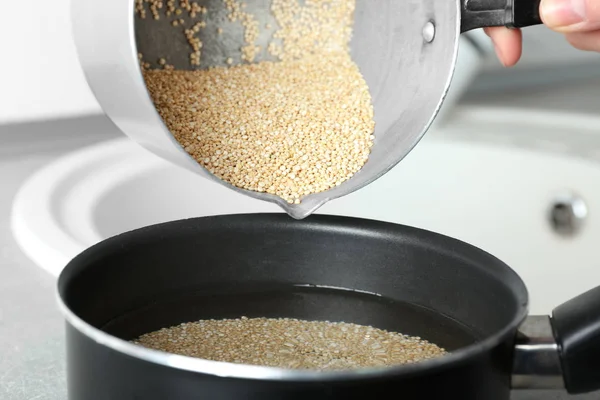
{"x":576,"y":325}
{"x":510,"y":13}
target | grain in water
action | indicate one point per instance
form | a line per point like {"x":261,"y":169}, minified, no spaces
{"x":298,"y":126}
{"x":291,"y":343}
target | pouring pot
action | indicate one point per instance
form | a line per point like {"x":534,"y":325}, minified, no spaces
{"x":322,"y":268}
{"x":406,"y":51}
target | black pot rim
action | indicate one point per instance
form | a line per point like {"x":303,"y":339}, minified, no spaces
{"x":243,"y":371}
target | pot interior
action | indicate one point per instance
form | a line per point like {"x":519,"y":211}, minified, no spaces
{"x":267,"y":265}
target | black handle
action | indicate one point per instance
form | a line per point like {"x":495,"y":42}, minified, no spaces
{"x":577,"y":330}
{"x":509,"y":13}
{"x":526,"y":13}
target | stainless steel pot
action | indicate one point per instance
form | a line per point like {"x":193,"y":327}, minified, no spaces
{"x":406,"y":51}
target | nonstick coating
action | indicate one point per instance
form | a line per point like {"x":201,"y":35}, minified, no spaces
{"x":269,"y":265}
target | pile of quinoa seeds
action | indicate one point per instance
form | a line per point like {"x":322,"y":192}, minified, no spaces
{"x":290,"y":344}
{"x":300,"y":125}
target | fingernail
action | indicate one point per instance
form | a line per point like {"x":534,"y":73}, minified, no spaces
{"x":562,"y":13}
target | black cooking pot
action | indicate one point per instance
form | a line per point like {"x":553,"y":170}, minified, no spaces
{"x":322,"y":268}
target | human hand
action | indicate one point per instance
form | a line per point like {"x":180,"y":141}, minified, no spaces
{"x":578,"y":20}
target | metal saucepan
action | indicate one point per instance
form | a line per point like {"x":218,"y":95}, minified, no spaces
{"x":268,"y":265}
{"x":406,"y":51}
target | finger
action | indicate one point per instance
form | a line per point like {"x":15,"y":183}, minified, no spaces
{"x":571,"y":15}
{"x":508,"y":44}
{"x":588,"y":41}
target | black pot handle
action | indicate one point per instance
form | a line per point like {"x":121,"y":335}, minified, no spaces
{"x":509,"y":13}
{"x":576,"y":325}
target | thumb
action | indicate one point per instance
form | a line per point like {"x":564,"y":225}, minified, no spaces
{"x":571,"y":15}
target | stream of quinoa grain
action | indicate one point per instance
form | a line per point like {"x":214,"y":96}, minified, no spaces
{"x":290,"y":128}
{"x":291,"y":344}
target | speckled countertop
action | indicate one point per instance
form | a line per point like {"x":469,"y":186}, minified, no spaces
{"x":31,"y":328}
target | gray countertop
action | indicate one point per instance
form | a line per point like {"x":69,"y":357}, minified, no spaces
{"x":31,"y":328}
{"x":574,"y":95}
